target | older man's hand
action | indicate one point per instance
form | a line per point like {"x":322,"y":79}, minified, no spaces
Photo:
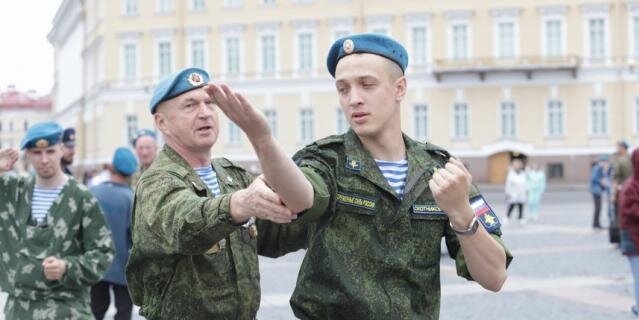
{"x":258,"y":200}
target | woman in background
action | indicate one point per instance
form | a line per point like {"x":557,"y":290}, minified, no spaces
{"x":629,"y":223}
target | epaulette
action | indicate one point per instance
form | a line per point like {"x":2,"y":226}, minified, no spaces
{"x":226,"y":163}
{"x":333,"y":139}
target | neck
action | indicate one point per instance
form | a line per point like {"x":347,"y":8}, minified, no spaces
{"x":388,"y":146}
{"x":118,"y":178}
{"x":57,"y":180}
{"x":194,"y":159}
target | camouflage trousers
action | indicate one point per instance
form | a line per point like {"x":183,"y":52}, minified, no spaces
{"x":72,"y":309}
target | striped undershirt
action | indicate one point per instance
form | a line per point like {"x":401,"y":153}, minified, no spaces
{"x":395,"y":173}
{"x":210,"y":179}
{"x":41,"y":202}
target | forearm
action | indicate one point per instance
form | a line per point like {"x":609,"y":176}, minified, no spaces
{"x":283,"y":176}
{"x":485,"y":259}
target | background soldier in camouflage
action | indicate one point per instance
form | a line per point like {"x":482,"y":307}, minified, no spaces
{"x":194,"y":250}
{"x":53,"y":238}
{"x":374,"y":253}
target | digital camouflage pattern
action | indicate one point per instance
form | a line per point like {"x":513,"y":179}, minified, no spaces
{"x":372,"y":255}
{"x":75,"y":231}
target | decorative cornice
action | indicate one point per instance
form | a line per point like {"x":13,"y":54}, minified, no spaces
{"x":418,"y":17}
{"x":342,"y":22}
{"x":130,"y":35}
{"x":304,"y":24}
{"x":164,"y":33}
{"x":595,"y":8}
{"x":459,"y":14}
{"x":232,"y":28}
{"x":267,"y":26}
{"x":553,"y":10}
{"x":379,"y":19}
{"x":511,"y":12}
{"x":197,"y":30}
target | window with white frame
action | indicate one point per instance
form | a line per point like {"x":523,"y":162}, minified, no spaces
{"x":131,"y":126}
{"x":164,"y":58}
{"x":460,"y":121}
{"x":232,"y":55}
{"x":459,"y":41}
{"x":130,"y":61}
{"x":269,"y":2}
{"x":234,"y":133}
{"x":164,"y":6}
{"x":130,"y":7}
{"x":635,"y":36}
{"x":305,"y":51}
{"x":198,"y":5}
{"x":597,"y":37}
{"x":553,"y":37}
{"x":508,"y":119}
{"x":598,"y":117}
{"x":555,"y":114}
{"x":306,"y":125}
{"x":340,"y":124}
{"x":419,"y":42}
{"x":271,"y":119}
{"x":198,"y":53}
{"x":268,"y":53}
{"x":232,"y":3}
{"x":506,"y":40}
{"x":420,"y":124}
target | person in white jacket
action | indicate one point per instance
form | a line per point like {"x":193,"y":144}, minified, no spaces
{"x":516,"y":189}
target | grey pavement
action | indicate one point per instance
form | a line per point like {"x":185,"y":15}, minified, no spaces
{"x":562,"y":270}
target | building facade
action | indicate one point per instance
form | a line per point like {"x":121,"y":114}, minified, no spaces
{"x":554,"y":82}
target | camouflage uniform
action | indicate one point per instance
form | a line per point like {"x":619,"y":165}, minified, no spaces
{"x":189,"y":261}
{"x":75,"y":231}
{"x":373,"y":255}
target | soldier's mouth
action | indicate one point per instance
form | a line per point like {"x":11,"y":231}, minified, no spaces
{"x":205,"y":128}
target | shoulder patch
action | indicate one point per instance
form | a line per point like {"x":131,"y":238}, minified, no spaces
{"x":485,"y":213}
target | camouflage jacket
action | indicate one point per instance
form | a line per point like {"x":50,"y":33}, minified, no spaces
{"x":75,"y":231}
{"x":372,"y":255}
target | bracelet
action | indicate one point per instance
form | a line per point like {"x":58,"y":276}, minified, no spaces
{"x":472,"y":227}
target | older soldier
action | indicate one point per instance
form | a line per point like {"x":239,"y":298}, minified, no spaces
{"x":53,"y":238}
{"x":194,"y":250}
{"x":374,"y":253}
{"x":146,"y":150}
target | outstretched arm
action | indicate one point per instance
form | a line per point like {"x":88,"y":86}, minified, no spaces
{"x":280,"y":171}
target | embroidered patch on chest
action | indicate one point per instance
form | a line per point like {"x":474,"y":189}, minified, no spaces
{"x":356,"y":201}
{"x":427,"y":209}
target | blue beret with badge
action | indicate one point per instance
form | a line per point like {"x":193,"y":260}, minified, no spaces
{"x":124,"y":161}
{"x":374,"y":43}
{"x":68,"y":137}
{"x":42,"y":135}
{"x":178,"y":83}
{"x":141,"y":133}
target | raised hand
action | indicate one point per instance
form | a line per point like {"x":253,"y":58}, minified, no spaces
{"x":240,"y":111}
{"x":8,"y":158}
{"x":450,"y":187}
{"x":54,"y":268}
{"x":258,"y":200}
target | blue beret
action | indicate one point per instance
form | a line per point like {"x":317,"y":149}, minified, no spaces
{"x":68,"y":137}
{"x":623,"y":143}
{"x":124,"y":161}
{"x":141,"y":133}
{"x":178,"y":83}
{"x":366,"y":43}
{"x":604,"y":157}
{"x":42,"y":135}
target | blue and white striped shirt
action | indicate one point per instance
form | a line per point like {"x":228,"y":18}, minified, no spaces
{"x":395,"y":173}
{"x":210,"y":179}
{"x":41,"y":202}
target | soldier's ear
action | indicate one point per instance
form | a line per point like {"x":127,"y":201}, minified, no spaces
{"x":160,"y":121}
{"x":400,"y":88}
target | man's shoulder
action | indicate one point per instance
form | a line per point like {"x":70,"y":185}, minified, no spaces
{"x":163,"y":165}
{"x":325,"y":145}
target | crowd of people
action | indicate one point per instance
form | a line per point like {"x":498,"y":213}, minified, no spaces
{"x":524,"y":187}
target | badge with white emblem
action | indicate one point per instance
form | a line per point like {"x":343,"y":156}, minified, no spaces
{"x":348,"y":46}
{"x":195,"y":79}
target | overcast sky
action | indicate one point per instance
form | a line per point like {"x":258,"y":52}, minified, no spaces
{"x":26,"y":57}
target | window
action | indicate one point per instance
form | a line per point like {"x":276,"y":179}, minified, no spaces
{"x":459,"y":42}
{"x":130,"y":7}
{"x":198,"y":5}
{"x":198,"y":53}
{"x":271,"y":118}
{"x":131,"y":126}
{"x":341,"y":124}
{"x":508,"y":120}
{"x":130,"y":61}
{"x":635,"y":36}
{"x":164,"y":6}
{"x":268,"y":53}
{"x":269,"y":2}
{"x":553,"y":38}
{"x":419,"y":55}
{"x":306,"y":125}
{"x":164,"y":57}
{"x":596,"y":34}
{"x":420,"y":117}
{"x":506,"y":39}
{"x":555,"y":170}
{"x":555,"y":118}
{"x":234,"y":133}
{"x":232,"y":3}
{"x":305,"y":51}
{"x":233,"y":55}
{"x":598,"y":117}
{"x":460,"y":119}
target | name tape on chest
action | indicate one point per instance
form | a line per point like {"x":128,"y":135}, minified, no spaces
{"x":427,"y":209}
{"x":356,"y":201}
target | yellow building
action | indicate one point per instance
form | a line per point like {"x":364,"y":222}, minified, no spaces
{"x":553,"y":81}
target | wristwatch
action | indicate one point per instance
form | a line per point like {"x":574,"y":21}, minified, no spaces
{"x":472,"y":227}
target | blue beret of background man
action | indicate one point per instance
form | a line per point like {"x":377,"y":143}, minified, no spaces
{"x":194,"y":249}
{"x":55,"y":240}
{"x":116,"y":199}
{"x":68,"y":149}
